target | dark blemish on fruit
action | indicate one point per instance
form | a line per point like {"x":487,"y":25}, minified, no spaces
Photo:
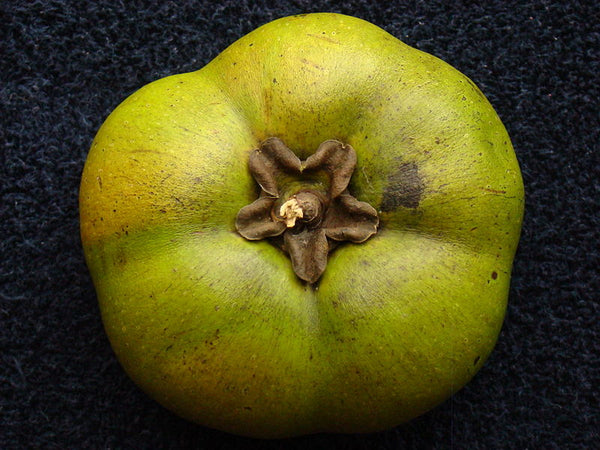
{"x":120,"y":258}
{"x":404,"y":188}
{"x":476,"y":360}
{"x":494,"y":191}
{"x":494,"y":275}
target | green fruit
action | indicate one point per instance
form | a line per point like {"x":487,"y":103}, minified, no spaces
{"x":351,"y":337}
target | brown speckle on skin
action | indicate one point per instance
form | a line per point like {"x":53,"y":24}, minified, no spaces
{"x":120,"y":259}
{"x":494,"y":275}
{"x":493,"y":191}
{"x":325,"y":38}
{"x":404,"y":188}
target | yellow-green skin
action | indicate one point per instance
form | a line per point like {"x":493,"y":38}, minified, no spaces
{"x":219,"y":329}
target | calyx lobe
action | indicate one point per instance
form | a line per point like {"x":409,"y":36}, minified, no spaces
{"x":311,"y":216}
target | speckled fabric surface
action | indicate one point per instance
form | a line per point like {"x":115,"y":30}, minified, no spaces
{"x":66,"y":64}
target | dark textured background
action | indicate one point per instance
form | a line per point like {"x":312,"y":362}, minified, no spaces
{"x":67,"y":64}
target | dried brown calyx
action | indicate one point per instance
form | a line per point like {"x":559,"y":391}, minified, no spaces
{"x":307,"y":202}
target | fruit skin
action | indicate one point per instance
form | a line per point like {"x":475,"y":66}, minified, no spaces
{"x":219,"y":329}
